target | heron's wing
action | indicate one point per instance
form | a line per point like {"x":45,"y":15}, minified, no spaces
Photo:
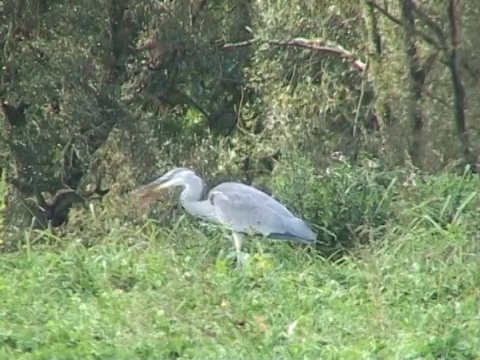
{"x":253,"y":193}
{"x":246,"y":209}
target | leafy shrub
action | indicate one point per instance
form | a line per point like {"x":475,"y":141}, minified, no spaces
{"x":437,"y":200}
{"x":345,"y":204}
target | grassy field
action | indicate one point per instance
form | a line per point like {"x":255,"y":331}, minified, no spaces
{"x":147,"y":292}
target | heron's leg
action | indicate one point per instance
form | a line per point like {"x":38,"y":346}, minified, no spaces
{"x":237,"y":242}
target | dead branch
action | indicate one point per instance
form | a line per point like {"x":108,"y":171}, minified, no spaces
{"x":198,"y":8}
{"x":55,"y":211}
{"x":95,"y":191}
{"x":241,"y":44}
{"x":329,"y":50}
{"x":15,"y":115}
{"x":314,"y":45}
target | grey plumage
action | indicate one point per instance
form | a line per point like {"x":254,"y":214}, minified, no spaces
{"x":243,"y":209}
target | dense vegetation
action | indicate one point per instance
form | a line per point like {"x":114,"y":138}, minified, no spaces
{"x":361,"y":116}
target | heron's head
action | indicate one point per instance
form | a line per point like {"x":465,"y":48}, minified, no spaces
{"x":173,"y":178}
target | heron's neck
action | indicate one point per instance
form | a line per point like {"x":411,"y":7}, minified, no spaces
{"x":191,"y":199}
{"x":192,"y":190}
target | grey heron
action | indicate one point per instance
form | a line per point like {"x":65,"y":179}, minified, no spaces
{"x":243,"y":209}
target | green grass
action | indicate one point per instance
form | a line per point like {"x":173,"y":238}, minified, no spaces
{"x":113,"y":290}
{"x":147,"y":293}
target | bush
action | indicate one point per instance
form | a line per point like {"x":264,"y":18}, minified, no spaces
{"x":438,"y":200}
{"x":345,"y":204}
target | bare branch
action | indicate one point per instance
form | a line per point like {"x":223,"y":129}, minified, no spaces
{"x":241,"y":44}
{"x":317,"y":46}
{"x":384,"y":12}
{"x":436,"y":28}
{"x":392,"y":18}
{"x":314,"y":45}
{"x":441,"y":44}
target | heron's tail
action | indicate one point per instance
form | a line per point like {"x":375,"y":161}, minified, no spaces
{"x":296,"y":230}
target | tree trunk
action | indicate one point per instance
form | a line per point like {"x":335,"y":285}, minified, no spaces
{"x":457,"y":84}
{"x":416,"y":81}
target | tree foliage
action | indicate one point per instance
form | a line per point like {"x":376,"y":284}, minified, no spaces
{"x":114,"y":91}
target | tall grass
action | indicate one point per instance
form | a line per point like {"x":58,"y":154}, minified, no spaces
{"x":117,"y":290}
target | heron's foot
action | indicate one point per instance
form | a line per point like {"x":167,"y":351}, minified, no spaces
{"x":242,"y":260}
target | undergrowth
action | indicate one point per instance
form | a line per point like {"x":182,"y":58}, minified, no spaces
{"x":122,"y":289}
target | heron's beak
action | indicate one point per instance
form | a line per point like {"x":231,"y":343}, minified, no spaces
{"x":147,"y":193}
{"x":156,"y":186}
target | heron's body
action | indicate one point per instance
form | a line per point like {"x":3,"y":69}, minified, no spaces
{"x":245,"y":210}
